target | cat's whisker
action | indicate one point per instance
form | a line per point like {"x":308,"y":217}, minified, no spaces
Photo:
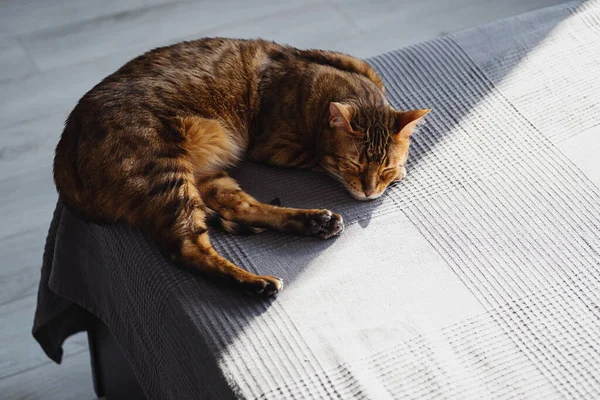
{"x":331,"y":173}
{"x":338,"y":178}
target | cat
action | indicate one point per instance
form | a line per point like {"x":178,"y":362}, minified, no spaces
{"x":150,"y":144}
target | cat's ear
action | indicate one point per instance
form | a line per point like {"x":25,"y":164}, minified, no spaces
{"x":407,"y":121}
{"x":340,"y":116}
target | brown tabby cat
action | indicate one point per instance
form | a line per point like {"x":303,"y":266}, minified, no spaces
{"x":150,"y":144}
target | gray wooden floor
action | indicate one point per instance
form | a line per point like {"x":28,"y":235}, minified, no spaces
{"x":53,"y":51}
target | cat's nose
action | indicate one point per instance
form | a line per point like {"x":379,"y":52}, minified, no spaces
{"x":368,"y":192}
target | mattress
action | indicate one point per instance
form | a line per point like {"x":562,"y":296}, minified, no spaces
{"x":478,"y":276}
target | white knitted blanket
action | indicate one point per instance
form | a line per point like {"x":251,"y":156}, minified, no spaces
{"x":477,"y":277}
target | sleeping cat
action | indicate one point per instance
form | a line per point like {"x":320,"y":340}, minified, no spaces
{"x":151,"y":143}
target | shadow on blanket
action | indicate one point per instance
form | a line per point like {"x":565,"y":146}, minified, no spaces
{"x":117,"y":274}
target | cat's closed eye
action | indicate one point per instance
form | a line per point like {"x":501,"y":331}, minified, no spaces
{"x":351,"y":166}
{"x":388,"y":173}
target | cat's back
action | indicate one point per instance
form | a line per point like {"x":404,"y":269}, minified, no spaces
{"x":198,"y":76}
{"x":135,"y":114}
{"x":211,"y":78}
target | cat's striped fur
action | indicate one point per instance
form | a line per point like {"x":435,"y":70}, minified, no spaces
{"x":151,"y":143}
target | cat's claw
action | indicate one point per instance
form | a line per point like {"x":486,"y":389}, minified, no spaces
{"x":263,"y":285}
{"x":326,"y":224}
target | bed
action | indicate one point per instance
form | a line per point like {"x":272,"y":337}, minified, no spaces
{"x":478,"y":276}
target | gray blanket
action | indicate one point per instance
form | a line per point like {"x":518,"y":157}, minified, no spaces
{"x":476,"y":277}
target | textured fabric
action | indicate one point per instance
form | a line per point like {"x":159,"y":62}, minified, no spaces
{"x":476,"y":277}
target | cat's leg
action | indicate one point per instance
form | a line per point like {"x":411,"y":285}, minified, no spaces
{"x":197,"y":252}
{"x":236,"y":228}
{"x":177,"y":219}
{"x":222,"y":194}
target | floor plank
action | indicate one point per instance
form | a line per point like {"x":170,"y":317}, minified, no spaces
{"x":54,"y":91}
{"x":21,"y":263}
{"x":14,"y":61}
{"x":320,"y":26}
{"x":19,"y":351}
{"x":53,"y":51}
{"x":29,"y":145}
{"x":27,"y":200}
{"x":414,"y":22}
{"x":19,"y":17}
{"x":143,"y":29}
{"x":72,"y":380}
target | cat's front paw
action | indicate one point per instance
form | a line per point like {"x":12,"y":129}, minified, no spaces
{"x":263,"y":285}
{"x":325,"y":224}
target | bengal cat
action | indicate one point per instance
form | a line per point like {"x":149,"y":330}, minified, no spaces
{"x":150,"y":145}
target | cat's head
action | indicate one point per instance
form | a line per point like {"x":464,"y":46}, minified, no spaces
{"x":366,"y":146}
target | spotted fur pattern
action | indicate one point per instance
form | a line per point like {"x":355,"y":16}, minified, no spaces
{"x":151,"y":143}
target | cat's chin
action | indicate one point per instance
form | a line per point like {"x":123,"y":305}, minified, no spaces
{"x":362,"y":197}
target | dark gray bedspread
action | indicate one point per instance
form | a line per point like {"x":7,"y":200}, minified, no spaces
{"x":476,"y":277}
